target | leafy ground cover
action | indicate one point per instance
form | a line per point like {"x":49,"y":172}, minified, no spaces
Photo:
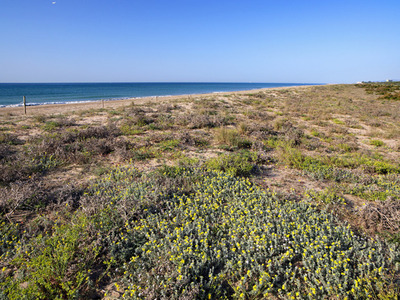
{"x":283,"y":193}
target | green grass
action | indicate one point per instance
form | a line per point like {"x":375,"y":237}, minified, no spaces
{"x":339,"y":122}
{"x":376,"y":143}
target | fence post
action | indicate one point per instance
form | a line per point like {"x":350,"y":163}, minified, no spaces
{"x":25,"y":104}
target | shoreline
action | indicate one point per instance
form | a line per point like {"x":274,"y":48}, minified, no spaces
{"x":60,"y":108}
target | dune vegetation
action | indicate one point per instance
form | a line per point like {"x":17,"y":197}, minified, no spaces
{"x":287,"y":193}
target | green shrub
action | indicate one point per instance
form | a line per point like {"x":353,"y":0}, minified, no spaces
{"x":272,"y":142}
{"x":231,"y":139}
{"x":154,"y":126}
{"x":327,"y":196}
{"x":381,"y":167}
{"x":339,"y":122}
{"x":201,"y":142}
{"x":290,"y":156}
{"x":142,"y":153}
{"x":127,"y":129}
{"x":44,"y":162}
{"x":40,"y":118}
{"x":376,"y":143}
{"x":244,"y":144}
{"x":50,"y":125}
{"x":56,"y":265}
{"x":242,"y":163}
{"x":376,"y":188}
{"x":168,"y":145}
{"x":227,"y":136}
{"x":315,"y":133}
{"x":171,"y":171}
{"x":345,"y":147}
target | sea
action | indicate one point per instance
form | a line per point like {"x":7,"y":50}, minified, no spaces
{"x":11,"y":94}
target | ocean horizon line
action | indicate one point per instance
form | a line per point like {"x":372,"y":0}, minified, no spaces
{"x":41,"y":93}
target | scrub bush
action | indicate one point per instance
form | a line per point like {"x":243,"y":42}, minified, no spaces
{"x":230,"y":239}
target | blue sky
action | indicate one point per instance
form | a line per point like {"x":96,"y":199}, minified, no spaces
{"x":199,"y":40}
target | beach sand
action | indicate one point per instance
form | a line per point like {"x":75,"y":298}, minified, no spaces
{"x":54,"y":109}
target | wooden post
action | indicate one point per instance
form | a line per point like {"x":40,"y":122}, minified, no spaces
{"x":102,"y":102}
{"x":25,"y":104}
